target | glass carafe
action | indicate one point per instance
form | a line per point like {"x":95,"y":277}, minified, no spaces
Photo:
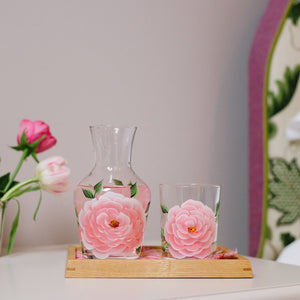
{"x":112,"y":202}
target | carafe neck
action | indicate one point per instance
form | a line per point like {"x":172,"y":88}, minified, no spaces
{"x":112,"y":146}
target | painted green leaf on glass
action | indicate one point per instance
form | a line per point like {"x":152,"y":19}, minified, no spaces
{"x":164,"y":246}
{"x":217,"y":209}
{"x":117,"y":182}
{"x":134,"y":190}
{"x":98,"y":187}
{"x":284,"y":190}
{"x":162,"y":233}
{"x":286,"y":89}
{"x":164,"y":208}
{"x":147,"y":208}
{"x":76,"y":214}
{"x":88,"y":194}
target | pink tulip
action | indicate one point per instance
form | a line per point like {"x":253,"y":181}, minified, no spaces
{"x":112,"y":225}
{"x":53,"y":175}
{"x":190,"y":230}
{"x":35,"y":130}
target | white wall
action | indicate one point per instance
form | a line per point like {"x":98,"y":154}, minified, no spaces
{"x":176,"y":69}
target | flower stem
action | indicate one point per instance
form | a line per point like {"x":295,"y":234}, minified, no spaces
{"x":13,"y":176}
{"x":8,"y":195}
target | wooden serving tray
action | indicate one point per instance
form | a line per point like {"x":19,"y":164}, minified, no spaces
{"x":238,"y":267}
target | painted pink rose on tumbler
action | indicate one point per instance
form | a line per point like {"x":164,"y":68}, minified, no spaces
{"x":112,"y":225}
{"x":35,"y":130}
{"x":190,"y":230}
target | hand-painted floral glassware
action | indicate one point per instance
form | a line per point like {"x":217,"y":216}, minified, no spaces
{"x":189,"y":219}
{"x":112,"y":202}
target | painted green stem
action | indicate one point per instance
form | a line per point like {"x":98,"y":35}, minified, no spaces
{"x":10,"y":193}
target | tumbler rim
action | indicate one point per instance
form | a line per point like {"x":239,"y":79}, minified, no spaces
{"x":194,"y":184}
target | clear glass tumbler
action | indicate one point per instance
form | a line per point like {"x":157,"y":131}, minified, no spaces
{"x":189,"y":219}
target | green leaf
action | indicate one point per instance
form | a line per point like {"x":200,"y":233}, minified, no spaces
{"x":38,"y":206}
{"x":88,"y":194}
{"x":164,"y":208}
{"x":34,"y":145}
{"x":82,"y":248}
{"x":286,"y":238}
{"x":217,"y":212}
{"x":284,"y":190}
{"x":269,"y":234}
{"x":217,"y":209}
{"x":294,"y":13}
{"x":162,"y":233}
{"x":138,"y":250}
{"x":147,"y":208}
{"x":2,"y":218}
{"x":164,"y":246}
{"x":23,"y":139}
{"x":3,"y":181}
{"x":76,"y":212}
{"x":24,"y":144}
{"x":18,"y":193}
{"x":117,"y":182}
{"x":13,"y":230}
{"x":98,"y":187}
{"x":134,"y":190}
{"x":18,"y":148}
{"x":286,"y":89}
{"x":272,"y":130}
{"x":34,"y":157}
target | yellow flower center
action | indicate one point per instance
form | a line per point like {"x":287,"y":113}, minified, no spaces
{"x":192,"y":229}
{"x":114,"y":223}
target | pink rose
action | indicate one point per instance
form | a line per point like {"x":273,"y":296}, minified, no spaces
{"x":35,"y":130}
{"x":112,"y":225}
{"x":53,"y":175}
{"x":190,"y":230}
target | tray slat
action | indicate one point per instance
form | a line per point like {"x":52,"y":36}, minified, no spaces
{"x":157,"y":268}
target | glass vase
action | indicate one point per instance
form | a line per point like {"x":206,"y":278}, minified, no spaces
{"x":112,"y":202}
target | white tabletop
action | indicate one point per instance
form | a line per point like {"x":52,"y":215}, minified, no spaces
{"x":39,"y":274}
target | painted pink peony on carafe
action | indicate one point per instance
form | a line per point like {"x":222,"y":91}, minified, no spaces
{"x":112,"y":203}
{"x":112,"y":221}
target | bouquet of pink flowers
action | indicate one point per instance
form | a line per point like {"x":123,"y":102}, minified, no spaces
{"x":51,"y":174}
